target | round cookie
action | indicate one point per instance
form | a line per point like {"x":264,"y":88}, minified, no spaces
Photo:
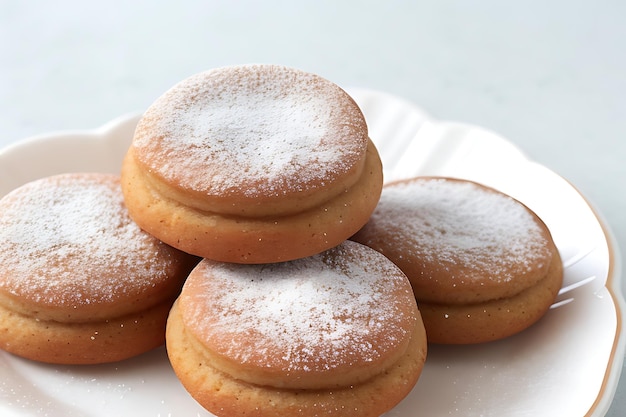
{"x":482,"y":265}
{"x":80,"y":282}
{"x":335,"y":333}
{"x":252,"y":164}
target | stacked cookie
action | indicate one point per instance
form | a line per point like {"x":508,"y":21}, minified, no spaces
{"x":265,"y":172}
{"x":482,"y":265}
{"x":262,"y":232}
{"x":80,"y":282}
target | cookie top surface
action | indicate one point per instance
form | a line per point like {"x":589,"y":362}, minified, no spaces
{"x":250,"y":131}
{"x":338,"y":317}
{"x":459,"y":241}
{"x":68,"y":246}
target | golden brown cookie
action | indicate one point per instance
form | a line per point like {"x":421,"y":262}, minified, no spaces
{"x":80,"y":282}
{"x":482,"y":265}
{"x":336,"y":333}
{"x":252,"y":164}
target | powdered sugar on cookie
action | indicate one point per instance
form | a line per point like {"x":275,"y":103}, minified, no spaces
{"x":343,"y":306}
{"x":243,"y":130}
{"x":485,"y":233}
{"x":68,"y":240}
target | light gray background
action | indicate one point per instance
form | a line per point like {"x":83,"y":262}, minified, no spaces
{"x":548,"y":75}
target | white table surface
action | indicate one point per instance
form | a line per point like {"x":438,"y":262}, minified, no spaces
{"x":549,"y":76}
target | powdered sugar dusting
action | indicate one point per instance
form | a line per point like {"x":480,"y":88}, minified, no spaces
{"x":252,"y":130}
{"x":343,"y":305}
{"x":68,"y":240}
{"x":460,"y":223}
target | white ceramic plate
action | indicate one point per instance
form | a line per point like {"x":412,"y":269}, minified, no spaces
{"x":568,"y":364}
